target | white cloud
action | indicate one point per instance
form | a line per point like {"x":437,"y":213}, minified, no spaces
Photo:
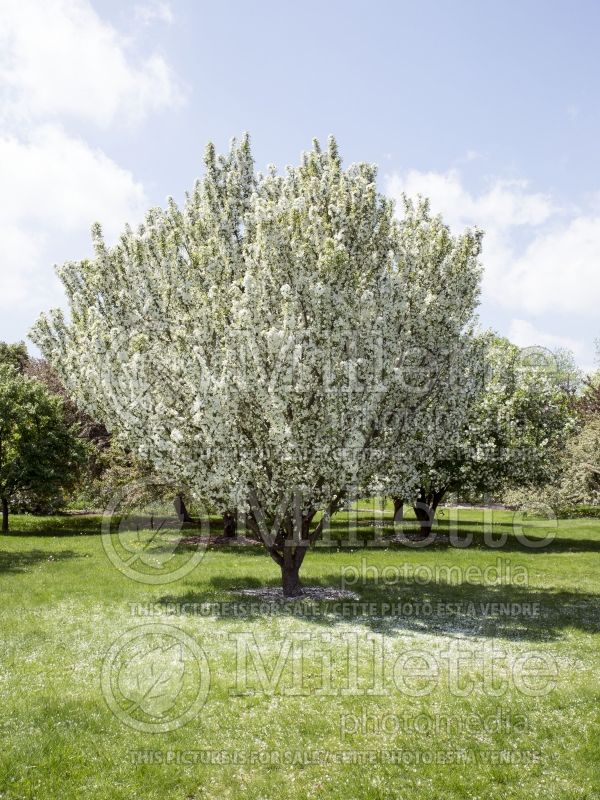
{"x":54,"y":187}
{"x":59,"y":58}
{"x":538,"y":256}
{"x":525,"y":334}
{"x":57,"y":180}
{"x":60,"y":65}
{"x":560,"y":269}
{"x":157,"y":11}
{"x":504,"y":203}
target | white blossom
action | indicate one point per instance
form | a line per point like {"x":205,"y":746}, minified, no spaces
{"x":258,"y":341}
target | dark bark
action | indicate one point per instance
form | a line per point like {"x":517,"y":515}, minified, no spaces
{"x":4,"y":515}
{"x":229,"y":524}
{"x":291,"y":548}
{"x":333,"y":506}
{"x":437,"y":499}
{"x":398,"y":509}
{"x":422,"y":513}
{"x":290,"y":579}
{"x":181,"y":509}
{"x":291,"y":561}
{"x":425,"y":509}
{"x":287,"y":540}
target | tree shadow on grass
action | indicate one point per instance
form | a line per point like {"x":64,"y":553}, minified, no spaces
{"x":46,"y":528}
{"x":504,"y":611}
{"x":363,"y":537}
{"x":11,"y":561}
{"x":533,"y":539}
{"x":91,"y":525}
{"x":368,"y":532}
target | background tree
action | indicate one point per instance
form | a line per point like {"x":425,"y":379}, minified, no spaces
{"x":588,"y":402}
{"x":15,"y":355}
{"x":40,"y":453}
{"x":564,"y":371}
{"x":580,"y":476}
{"x":108,"y":467}
{"x":254,"y":343}
{"x":580,"y":480}
{"x":437,"y":427}
{"x":513,"y":435}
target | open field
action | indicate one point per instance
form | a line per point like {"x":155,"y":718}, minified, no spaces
{"x":436,"y":682}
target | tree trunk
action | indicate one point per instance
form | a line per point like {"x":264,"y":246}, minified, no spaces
{"x":286,"y":539}
{"x":4,"y":515}
{"x":398,"y":509}
{"x":436,"y":500}
{"x":425,"y":509}
{"x":229,"y":524}
{"x":422,"y":513}
{"x":290,"y":578}
{"x":180,"y":509}
{"x":292,"y":558}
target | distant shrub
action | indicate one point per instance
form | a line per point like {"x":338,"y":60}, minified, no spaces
{"x":577,"y":511}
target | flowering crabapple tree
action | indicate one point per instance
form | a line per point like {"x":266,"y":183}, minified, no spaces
{"x":252,"y":343}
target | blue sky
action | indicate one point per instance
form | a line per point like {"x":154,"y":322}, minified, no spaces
{"x":489,"y":108}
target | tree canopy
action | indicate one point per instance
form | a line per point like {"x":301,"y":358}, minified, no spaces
{"x":40,"y":453}
{"x":259,"y":345}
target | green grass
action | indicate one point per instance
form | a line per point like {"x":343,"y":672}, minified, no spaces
{"x":64,"y":604}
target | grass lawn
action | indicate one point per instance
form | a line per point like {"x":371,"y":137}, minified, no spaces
{"x":432,"y":681}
